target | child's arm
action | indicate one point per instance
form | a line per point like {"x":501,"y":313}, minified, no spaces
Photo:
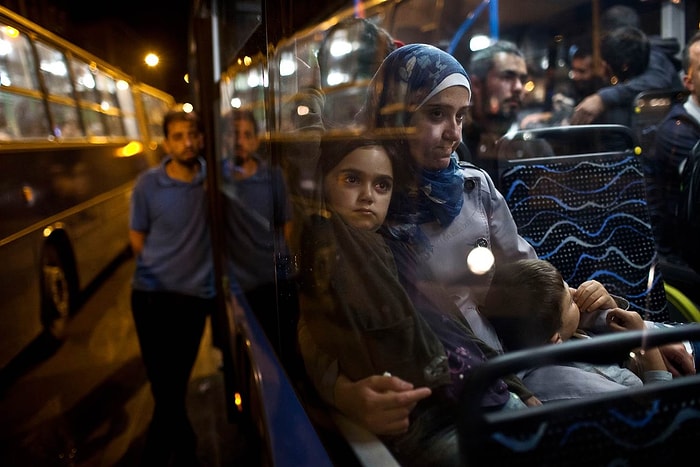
{"x":591,"y":296}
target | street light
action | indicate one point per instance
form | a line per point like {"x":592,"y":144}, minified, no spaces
{"x":151,"y":59}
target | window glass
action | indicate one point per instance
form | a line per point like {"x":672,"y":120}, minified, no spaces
{"x":155,"y":110}
{"x":53,"y":68}
{"x":66,"y":121}
{"x":30,"y":120}
{"x":16,"y":59}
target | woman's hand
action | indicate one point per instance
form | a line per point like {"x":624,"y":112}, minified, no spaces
{"x":381,"y":404}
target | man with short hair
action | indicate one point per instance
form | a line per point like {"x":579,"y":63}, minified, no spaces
{"x":660,"y":73}
{"x":173,"y":288}
{"x":497,"y":75}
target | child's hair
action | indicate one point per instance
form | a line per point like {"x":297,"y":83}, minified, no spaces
{"x":524,"y":303}
{"x":335,"y":147}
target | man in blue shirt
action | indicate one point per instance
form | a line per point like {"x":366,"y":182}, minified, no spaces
{"x":173,"y":287}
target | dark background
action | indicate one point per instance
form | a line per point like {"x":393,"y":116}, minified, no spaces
{"x":122,"y":33}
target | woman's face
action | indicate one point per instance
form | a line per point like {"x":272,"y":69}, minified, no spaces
{"x":359,"y":188}
{"x":438,"y":128}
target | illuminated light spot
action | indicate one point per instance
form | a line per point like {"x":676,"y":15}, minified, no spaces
{"x":480,"y":260}
{"x":637,"y":150}
{"x":238,"y":401}
{"x":131,"y":149}
{"x":302,"y":110}
{"x":151,"y":59}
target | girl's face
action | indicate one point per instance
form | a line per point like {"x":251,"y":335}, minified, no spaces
{"x":359,"y":188}
{"x":438,"y":126}
{"x":570,"y":315}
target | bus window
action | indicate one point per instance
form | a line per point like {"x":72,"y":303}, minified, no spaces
{"x":30,"y":118}
{"x":155,"y":109}
{"x":246,"y":90}
{"x":109,"y":104}
{"x":128,"y":109}
{"x":53,"y":68}
{"x":66,"y":120}
{"x":16,"y":59}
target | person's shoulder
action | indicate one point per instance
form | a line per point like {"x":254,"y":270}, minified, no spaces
{"x":678,"y":113}
{"x":149,"y":174}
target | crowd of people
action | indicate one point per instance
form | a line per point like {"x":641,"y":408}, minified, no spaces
{"x":393,"y":312}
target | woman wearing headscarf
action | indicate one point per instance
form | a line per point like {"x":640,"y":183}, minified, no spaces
{"x":450,"y":212}
{"x":420,"y":95}
{"x":357,"y":318}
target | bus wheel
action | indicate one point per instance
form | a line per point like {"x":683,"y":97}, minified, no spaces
{"x":56,"y":292}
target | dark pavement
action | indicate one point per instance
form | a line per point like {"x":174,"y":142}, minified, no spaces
{"x":87,"y":403}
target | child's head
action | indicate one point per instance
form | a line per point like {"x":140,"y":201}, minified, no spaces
{"x":357,"y":180}
{"x":529,"y":304}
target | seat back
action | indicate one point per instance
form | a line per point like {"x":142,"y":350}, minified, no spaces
{"x":577,"y":195}
{"x":654,"y":424}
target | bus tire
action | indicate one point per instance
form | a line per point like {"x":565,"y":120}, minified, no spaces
{"x":58,"y":291}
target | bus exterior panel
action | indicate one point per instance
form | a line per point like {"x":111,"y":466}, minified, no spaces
{"x":77,"y":132}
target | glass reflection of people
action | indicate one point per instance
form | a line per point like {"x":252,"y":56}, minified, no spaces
{"x":360,"y":315}
{"x":173,"y":287}
{"x":446,"y":210}
{"x":260,"y":265}
{"x":422,"y":94}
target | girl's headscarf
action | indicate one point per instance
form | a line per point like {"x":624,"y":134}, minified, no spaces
{"x":406,"y":79}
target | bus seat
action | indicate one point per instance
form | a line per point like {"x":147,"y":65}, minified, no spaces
{"x":654,"y":424}
{"x":584,"y":208}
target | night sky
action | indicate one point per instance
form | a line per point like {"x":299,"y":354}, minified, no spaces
{"x":124,"y":33}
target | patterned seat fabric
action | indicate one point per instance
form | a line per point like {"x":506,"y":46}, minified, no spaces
{"x":587,"y":215}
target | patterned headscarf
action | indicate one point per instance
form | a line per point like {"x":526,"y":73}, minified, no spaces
{"x":406,"y":79}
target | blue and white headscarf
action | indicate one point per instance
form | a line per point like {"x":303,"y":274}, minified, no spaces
{"x":407,"y":79}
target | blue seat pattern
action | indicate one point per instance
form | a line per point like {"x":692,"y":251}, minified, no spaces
{"x":588,"y":216}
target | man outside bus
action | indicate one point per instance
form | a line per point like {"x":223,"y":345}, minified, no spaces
{"x":173,"y":287}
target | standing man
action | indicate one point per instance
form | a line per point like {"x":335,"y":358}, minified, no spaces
{"x":676,"y":135}
{"x":173,"y":285}
{"x":497,"y":75}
